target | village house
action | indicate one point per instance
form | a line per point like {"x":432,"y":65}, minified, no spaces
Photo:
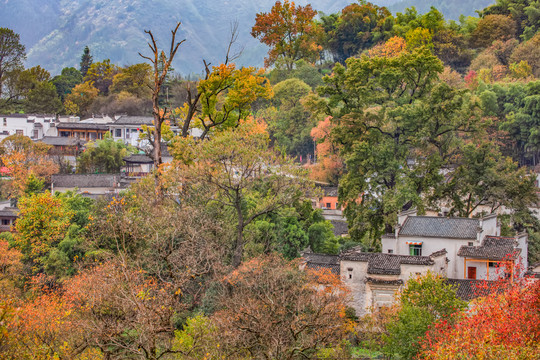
{"x":465,"y":251}
{"x":475,"y":247}
{"x":33,"y":126}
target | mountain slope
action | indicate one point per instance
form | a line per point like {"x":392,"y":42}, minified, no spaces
{"x":56,"y":31}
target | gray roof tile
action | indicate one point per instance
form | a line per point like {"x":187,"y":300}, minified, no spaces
{"x":385,"y":264}
{"x":492,"y":248}
{"x":440,"y":227}
{"x":468,"y":289}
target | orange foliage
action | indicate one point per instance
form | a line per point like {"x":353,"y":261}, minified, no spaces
{"x":329,"y":166}
{"x":289,"y":31}
{"x":23,"y":157}
{"x":391,"y":48}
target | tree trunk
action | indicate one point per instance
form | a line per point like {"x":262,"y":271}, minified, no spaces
{"x":239,"y":243}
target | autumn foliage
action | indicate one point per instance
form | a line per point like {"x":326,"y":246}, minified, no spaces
{"x":501,"y":325}
{"x":271,"y":309}
{"x":290,"y":32}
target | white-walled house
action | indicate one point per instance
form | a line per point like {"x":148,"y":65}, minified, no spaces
{"x":374,"y":278}
{"x":475,"y":247}
{"x":33,"y":126}
{"x":465,"y":251}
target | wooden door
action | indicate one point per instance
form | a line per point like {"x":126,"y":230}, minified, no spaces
{"x":471,"y":272}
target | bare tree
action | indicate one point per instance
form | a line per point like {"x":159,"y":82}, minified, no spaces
{"x":161,"y":63}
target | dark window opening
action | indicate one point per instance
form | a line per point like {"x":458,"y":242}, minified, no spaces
{"x":415,"y":250}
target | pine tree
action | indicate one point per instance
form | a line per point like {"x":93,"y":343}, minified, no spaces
{"x":86,"y":61}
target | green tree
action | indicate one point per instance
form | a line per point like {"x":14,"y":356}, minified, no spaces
{"x":86,"y":61}
{"x":358,"y":27}
{"x":237,"y":171}
{"x":484,"y":178}
{"x":12,"y":54}
{"x":43,"y":98}
{"x":423,"y":301}
{"x":135,"y":79}
{"x":66,"y":81}
{"x":103,"y":156}
{"x":290,"y":124}
{"x":375,"y":104}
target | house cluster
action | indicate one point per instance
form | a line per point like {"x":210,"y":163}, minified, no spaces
{"x":466,"y":251}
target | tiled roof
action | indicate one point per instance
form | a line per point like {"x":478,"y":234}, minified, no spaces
{"x":139,"y":159}
{"x":340,"y":227}
{"x":385,"y":264}
{"x":372,"y":280}
{"x":62,"y":141}
{"x":82,"y":126}
{"x":467,"y":289}
{"x":322,"y":261}
{"x":134,"y":120}
{"x":438,"y":253}
{"x":493,"y":248}
{"x":85,"y":180}
{"x":9,"y":212}
{"x":440,"y":227}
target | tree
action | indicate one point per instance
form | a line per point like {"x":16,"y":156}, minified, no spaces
{"x":238,"y":171}
{"x":23,"y":157}
{"x":101,"y":75}
{"x":493,"y":27}
{"x":81,"y":98}
{"x":271,"y":309}
{"x":225,"y":97}
{"x":122,"y":312}
{"x":135,"y":79}
{"x":12,"y":54}
{"x":358,"y":27}
{"x":161,"y":64}
{"x":66,"y":81}
{"x":503,"y":324}
{"x":290,"y":123}
{"x":86,"y":61}
{"x":43,"y":220}
{"x":103,"y":156}
{"x":371,"y":104}
{"x":423,"y":301}
{"x":528,"y":51}
{"x":43,"y":99}
{"x":483,"y":177}
{"x":289,"y":31}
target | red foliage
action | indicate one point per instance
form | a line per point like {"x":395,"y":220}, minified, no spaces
{"x":504,"y":324}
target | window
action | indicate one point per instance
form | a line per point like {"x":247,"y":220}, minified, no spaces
{"x":118,"y":132}
{"x":390,"y":251}
{"x":19,"y":132}
{"x":6,"y":222}
{"x":471,"y":243}
{"x":415,"y":250}
{"x":35,"y":134}
{"x":493,"y":264}
{"x":328,"y":205}
{"x":5,"y":121}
